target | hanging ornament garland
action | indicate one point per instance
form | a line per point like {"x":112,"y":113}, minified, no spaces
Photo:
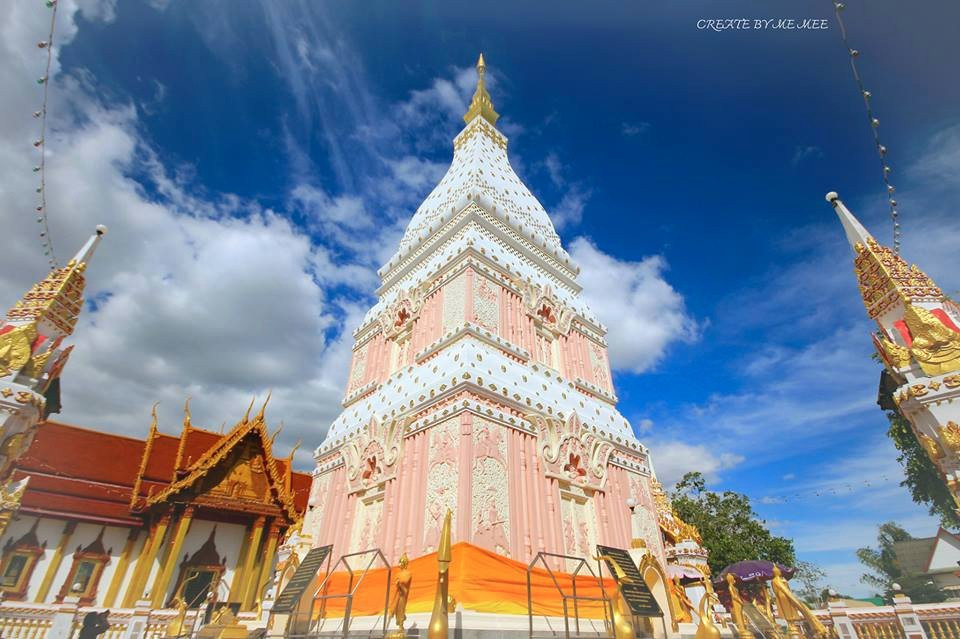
{"x":40,"y":143}
{"x":838,"y":8}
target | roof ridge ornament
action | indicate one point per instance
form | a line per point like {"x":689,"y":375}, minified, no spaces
{"x":481,"y":104}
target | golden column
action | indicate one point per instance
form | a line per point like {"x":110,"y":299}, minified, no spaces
{"x":266,"y":562}
{"x":121,"y":570}
{"x":145,"y":562}
{"x":55,"y":561}
{"x":176,"y":545}
{"x":243,"y":579}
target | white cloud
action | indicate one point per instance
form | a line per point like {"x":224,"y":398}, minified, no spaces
{"x":673,"y":459}
{"x":643,"y":314}
{"x":808,"y":152}
{"x":633,"y":129}
{"x":212,"y":297}
{"x":569,"y":210}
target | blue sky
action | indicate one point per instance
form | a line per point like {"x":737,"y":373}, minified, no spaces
{"x":256,"y":162}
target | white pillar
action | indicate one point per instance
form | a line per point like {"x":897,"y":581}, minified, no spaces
{"x":62,"y":625}
{"x":907,"y":616}
{"x":841,"y":622}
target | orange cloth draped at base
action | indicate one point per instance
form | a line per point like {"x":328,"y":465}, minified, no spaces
{"x":480,"y":580}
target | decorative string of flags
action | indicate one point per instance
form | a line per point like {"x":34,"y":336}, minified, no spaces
{"x":831,"y":490}
{"x":838,"y":8}
{"x":40,"y":143}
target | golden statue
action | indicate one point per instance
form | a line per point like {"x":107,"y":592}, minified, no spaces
{"x":707,"y":629}
{"x":935,"y":347}
{"x":439,"y":622}
{"x":15,"y":348}
{"x":398,"y":609}
{"x":622,"y":615}
{"x":792,"y":610}
{"x":736,"y":607}
{"x":681,"y":602}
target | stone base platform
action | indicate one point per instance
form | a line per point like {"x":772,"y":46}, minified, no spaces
{"x":467,"y":624}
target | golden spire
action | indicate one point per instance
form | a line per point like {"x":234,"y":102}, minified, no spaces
{"x":55,"y":302}
{"x":439,"y":618}
{"x":885,"y":279}
{"x":481,"y":104}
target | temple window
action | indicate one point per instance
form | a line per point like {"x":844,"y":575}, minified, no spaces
{"x":200,"y":573}
{"x":19,"y":560}
{"x":85,"y":573}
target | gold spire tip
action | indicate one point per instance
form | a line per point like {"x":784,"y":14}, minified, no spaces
{"x":481,"y":104}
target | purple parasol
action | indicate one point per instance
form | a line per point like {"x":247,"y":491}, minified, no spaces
{"x":755,"y":570}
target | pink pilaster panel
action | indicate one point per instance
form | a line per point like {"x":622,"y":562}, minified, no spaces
{"x":603,"y":520}
{"x":468,"y":310}
{"x":533,"y":534}
{"x":420,"y":491}
{"x":504,"y":323}
{"x":618,"y":509}
{"x":587,"y":362}
{"x":348,"y":521}
{"x":535,"y":478}
{"x":465,"y":481}
{"x":402,"y":496}
{"x":515,"y":498}
{"x":388,"y":521}
{"x":338,"y":483}
{"x":373,"y":360}
{"x":412,"y":457}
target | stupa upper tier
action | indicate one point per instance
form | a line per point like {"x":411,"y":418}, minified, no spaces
{"x":481,"y":173}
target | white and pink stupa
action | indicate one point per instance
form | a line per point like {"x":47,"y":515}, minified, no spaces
{"x":480,"y":382}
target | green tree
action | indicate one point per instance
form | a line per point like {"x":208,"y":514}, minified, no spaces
{"x":807,"y":582}
{"x":921,"y":476}
{"x":730,"y":528}
{"x":885,"y":568}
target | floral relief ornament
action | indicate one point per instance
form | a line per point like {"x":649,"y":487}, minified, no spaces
{"x":372,"y":455}
{"x":570,"y":452}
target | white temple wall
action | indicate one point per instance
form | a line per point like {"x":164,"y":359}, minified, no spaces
{"x":50,"y":530}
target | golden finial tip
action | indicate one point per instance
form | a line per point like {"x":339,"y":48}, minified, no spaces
{"x":480,"y":63}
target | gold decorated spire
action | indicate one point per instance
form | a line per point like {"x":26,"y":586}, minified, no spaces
{"x":55,"y":302}
{"x":884,"y":278}
{"x":481,"y":104}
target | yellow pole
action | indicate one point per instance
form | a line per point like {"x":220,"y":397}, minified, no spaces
{"x":55,"y":562}
{"x":145,"y":563}
{"x":266,"y":561}
{"x":235,"y":584}
{"x":129,"y":598}
{"x":250,"y":578}
{"x":176,"y":544}
{"x":121,"y":570}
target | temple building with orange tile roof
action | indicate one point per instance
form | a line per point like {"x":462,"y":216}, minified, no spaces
{"x":149,"y":519}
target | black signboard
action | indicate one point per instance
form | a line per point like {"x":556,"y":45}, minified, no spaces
{"x":636,"y":593}
{"x":301,"y":580}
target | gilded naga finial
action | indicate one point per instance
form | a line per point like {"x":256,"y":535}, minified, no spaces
{"x":706,"y":629}
{"x":622,"y":615}
{"x":792,"y":610}
{"x":439,"y":622}
{"x":736,"y":608}
{"x":481,"y":104}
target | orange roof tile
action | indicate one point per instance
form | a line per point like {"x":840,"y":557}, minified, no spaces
{"x":80,"y":473}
